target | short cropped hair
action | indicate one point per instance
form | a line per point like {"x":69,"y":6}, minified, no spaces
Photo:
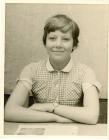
{"x":62,"y":23}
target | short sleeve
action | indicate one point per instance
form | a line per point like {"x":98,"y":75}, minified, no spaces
{"x":90,"y":79}
{"x":26,"y":76}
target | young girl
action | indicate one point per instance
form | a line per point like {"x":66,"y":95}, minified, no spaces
{"x":63,"y":89}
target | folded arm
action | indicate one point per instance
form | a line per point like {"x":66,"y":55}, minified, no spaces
{"x":89,"y":113}
{"x":16,"y":111}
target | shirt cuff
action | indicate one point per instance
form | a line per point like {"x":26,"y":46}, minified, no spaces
{"x":86,"y":85}
{"x":26,"y":83}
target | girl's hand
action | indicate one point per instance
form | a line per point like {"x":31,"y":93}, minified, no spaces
{"x":60,"y":119}
{"x":45,"y":107}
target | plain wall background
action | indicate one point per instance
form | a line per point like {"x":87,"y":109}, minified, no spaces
{"x":24,"y":31}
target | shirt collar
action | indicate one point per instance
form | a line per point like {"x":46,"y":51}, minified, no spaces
{"x":67,"y":68}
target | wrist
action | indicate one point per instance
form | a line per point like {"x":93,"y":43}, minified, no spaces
{"x":50,"y":107}
{"x":55,"y":105}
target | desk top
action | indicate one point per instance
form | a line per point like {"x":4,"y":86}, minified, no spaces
{"x":84,"y":129}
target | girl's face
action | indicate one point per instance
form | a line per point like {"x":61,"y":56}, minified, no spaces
{"x":59,"y":45}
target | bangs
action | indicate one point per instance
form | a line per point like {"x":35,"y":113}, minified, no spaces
{"x":57,"y":24}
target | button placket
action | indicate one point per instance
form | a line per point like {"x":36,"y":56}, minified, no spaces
{"x":57,"y":84}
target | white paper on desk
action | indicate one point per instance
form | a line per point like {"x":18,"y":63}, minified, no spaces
{"x":47,"y":130}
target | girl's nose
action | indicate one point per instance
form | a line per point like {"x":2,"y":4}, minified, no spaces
{"x":58,"y":43}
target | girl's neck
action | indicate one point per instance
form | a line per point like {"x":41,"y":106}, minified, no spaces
{"x":59,"y":65}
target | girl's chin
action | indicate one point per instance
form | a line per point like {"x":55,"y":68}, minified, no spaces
{"x":59,"y":59}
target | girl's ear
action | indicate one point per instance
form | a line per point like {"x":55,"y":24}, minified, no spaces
{"x":73,"y":48}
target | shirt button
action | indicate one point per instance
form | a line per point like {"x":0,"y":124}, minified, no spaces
{"x":58,"y":73}
{"x":56,"y":100}
{"x":57,"y":85}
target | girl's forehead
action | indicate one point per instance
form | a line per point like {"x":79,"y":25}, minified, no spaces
{"x":59,"y":32}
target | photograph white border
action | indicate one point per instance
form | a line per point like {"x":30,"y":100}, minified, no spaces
{"x":2,"y":50}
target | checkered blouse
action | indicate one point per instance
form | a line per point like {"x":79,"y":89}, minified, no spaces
{"x":65,"y":87}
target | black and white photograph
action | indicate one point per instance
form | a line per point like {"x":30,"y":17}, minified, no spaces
{"x":56,"y":69}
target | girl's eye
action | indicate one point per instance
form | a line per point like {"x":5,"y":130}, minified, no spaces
{"x":66,"y":39}
{"x":52,"y":38}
